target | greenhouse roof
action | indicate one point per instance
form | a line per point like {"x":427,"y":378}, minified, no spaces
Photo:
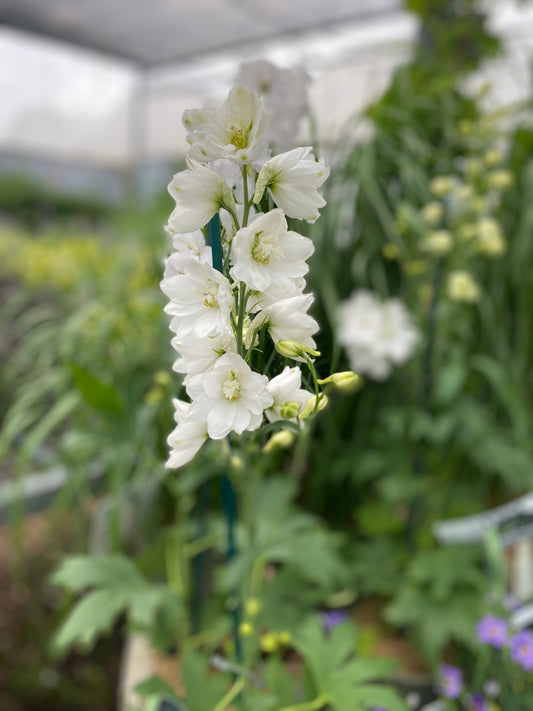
{"x":163,"y":31}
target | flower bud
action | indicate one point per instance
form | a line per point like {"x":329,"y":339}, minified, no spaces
{"x":493,"y":157}
{"x":236,"y":462}
{"x":251,"y":607}
{"x":289,"y":409}
{"x":499,"y":179}
{"x":433,"y":213}
{"x":284,"y":638}
{"x":279,"y":440}
{"x":269,"y":642}
{"x":345,"y":380}
{"x":311,"y":406}
{"x":390,"y":251}
{"x":437,"y":243}
{"x":293,"y":349}
{"x":441,"y":186}
{"x":246,"y":629}
{"x":461,"y":286}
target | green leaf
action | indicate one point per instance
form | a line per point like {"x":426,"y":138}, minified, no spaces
{"x":203,"y":690}
{"x":154,"y":685}
{"x":92,"y":615}
{"x":83,"y":571}
{"x":96,"y":393}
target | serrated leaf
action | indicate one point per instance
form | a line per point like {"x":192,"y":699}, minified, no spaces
{"x":83,"y":571}
{"x":203,"y":690}
{"x":93,"y":614}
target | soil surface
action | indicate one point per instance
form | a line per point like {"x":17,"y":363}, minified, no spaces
{"x":31,"y":678}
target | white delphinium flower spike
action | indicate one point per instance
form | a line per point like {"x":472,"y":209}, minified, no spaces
{"x":286,"y":388}
{"x":186,"y":438}
{"x":235,"y":130}
{"x":200,"y":300}
{"x":233,"y":397}
{"x":187,"y":246}
{"x":199,"y":194}
{"x":293,"y":179}
{"x":265,"y":253}
{"x":375,"y":334}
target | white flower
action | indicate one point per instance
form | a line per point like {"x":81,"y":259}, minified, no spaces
{"x":259,"y":300}
{"x":375,"y":334}
{"x":235,"y":130}
{"x":286,"y":387}
{"x":233,"y":397}
{"x":188,"y":246}
{"x":199,"y":194}
{"x":186,"y":438}
{"x":285,"y":95}
{"x":293,"y":179}
{"x":200,"y":354}
{"x":200,"y":300}
{"x":265,"y":253}
{"x":461,"y":286}
{"x":288,"y":319}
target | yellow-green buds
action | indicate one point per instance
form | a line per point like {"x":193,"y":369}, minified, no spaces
{"x":493,"y":157}
{"x":293,"y":349}
{"x":437,"y":243}
{"x":269,"y":642}
{"x":461,"y":286}
{"x":500,"y":179}
{"x":252,"y":606}
{"x":311,"y":406}
{"x":246,"y":629}
{"x":390,"y":251}
{"x":433,"y":213}
{"x":279,"y":440}
{"x":441,"y":186}
{"x":345,"y":380}
{"x":289,"y":409}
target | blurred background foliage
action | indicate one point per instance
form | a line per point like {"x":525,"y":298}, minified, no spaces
{"x":86,"y":366}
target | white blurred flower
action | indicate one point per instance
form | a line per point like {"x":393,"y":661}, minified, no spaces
{"x":265,"y":253}
{"x":489,"y":239}
{"x":235,"y":130}
{"x":200,"y":300}
{"x":376,"y":335}
{"x":199,"y":194}
{"x":188,"y":246}
{"x":437,"y":243}
{"x":233,"y":397}
{"x":293,"y":179}
{"x":285,"y":95}
{"x":186,"y":438}
{"x":286,"y":388}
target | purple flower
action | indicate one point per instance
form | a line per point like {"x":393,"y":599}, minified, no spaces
{"x":477,"y":703}
{"x":492,"y":630}
{"x":450,"y":681}
{"x":522,"y":649}
{"x":333,"y":618}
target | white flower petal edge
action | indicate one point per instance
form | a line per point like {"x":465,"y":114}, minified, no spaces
{"x":186,"y":438}
{"x":233,"y":397}
{"x":235,"y":130}
{"x":200,"y":300}
{"x":286,"y":387}
{"x":293,"y":179}
{"x":199,"y":194}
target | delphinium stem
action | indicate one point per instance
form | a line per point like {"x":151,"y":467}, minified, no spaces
{"x":229,"y":501}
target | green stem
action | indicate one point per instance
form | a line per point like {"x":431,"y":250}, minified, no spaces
{"x":243,"y":298}
{"x":234,"y":691}
{"x":233,"y":217}
{"x":247,"y":203}
{"x":311,"y":366}
{"x":313,"y":705}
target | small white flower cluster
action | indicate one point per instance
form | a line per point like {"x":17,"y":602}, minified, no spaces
{"x":377,"y":335}
{"x":222,"y":317}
